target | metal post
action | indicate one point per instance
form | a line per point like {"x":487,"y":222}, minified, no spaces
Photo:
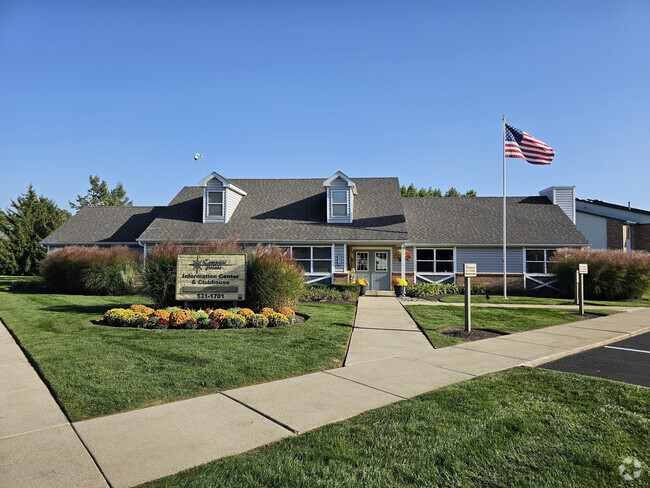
{"x":468,"y":306}
{"x":505,"y":291}
{"x":582,"y":294}
{"x":576,"y":288}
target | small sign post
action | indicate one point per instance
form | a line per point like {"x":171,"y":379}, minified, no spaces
{"x":583,"y":269}
{"x":576,"y":287}
{"x":469,"y":271}
{"x":211,"y":277}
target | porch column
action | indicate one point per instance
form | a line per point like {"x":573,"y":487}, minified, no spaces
{"x":403,"y":262}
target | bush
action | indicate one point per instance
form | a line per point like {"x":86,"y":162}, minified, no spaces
{"x":287,"y":312}
{"x":163,"y":314}
{"x":353,"y":288}
{"x":207,"y":324}
{"x":142,"y":309}
{"x":613,"y":274}
{"x":157,"y":323}
{"x":278,"y":320}
{"x":420,"y":290}
{"x":245,"y":312}
{"x":159,"y":273}
{"x":122,"y":317}
{"x":92,"y":270}
{"x":179,"y":319}
{"x":217,"y":314}
{"x":257,"y":321}
{"x":199,"y":315}
{"x":274,"y":278}
{"x":233,"y":321}
{"x":314,"y":293}
{"x":267,"y":311}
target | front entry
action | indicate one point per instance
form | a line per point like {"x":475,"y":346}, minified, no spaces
{"x":373,"y":266}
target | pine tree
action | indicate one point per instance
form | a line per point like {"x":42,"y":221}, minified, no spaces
{"x":413,"y":191}
{"x":26,"y":223}
{"x":100,"y":195}
{"x":452,"y":192}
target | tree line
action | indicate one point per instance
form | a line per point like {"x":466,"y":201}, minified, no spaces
{"x":413,"y":191}
{"x":31,"y":218}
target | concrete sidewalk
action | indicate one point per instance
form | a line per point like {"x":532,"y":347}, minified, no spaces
{"x":149,"y":443}
{"x":38,"y":446}
{"x":383,"y":329}
{"x":570,"y":307}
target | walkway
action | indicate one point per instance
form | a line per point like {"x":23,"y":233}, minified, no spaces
{"x":38,"y":446}
{"x":571,"y":307}
{"x":149,"y":443}
{"x":383,"y":329}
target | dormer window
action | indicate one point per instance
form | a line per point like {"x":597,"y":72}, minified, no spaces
{"x":220,"y":198}
{"x":340,"y":203}
{"x":215,"y":203}
{"x":340,"y":198}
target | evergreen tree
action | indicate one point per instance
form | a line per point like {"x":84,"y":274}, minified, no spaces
{"x":100,"y":195}
{"x":412,"y":191}
{"x":28,"y":221}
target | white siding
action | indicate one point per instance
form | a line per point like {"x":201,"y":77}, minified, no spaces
{"x":594,"y":228}
{"x":490,"y":259}
{"x":232,"y":200}
{"x":614,"y":213}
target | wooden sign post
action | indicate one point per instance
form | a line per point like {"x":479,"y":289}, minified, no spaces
{"x":469,"y":271}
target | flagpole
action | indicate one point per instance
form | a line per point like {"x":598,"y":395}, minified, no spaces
{"x":505,"y":292}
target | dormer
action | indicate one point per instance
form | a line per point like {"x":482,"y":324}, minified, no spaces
{"x":220,"y":198}
{"x":340,"y":198}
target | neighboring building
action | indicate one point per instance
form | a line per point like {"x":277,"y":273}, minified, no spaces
{"x":610,"y":226}
{"x":341,"y":228}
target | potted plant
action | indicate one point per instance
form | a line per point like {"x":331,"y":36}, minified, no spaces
{"x":398,"y":255}
{"x":400,"y":286}
{"x":364,"y":286}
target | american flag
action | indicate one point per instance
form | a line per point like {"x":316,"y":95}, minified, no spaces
{"x":518,"y":144}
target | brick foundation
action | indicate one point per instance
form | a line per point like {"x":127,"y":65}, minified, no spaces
{"x":494,"y":280}
{"x":341,"y":277}
{"x":409,"y":277}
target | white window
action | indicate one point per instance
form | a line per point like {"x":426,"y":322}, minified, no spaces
{"x":313,"y":259}
{"x":339,"y":203}
{"x":537,"y":260}
{"x":435,"y":260}
{"x":215,"y":204}
{"x":362,"y":261}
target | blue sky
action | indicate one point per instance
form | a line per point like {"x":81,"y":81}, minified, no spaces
{"x":281,"y":89}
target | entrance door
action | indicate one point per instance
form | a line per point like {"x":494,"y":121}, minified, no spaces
{"x":373,"y":266}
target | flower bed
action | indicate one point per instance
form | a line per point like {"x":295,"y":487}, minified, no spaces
{"x":142,"y":317}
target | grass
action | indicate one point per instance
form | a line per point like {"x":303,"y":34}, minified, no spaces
{"x":520,"y":427}
{"x":434,"y":318}
{"x":644,"y":302}
{"x":96,"y":370}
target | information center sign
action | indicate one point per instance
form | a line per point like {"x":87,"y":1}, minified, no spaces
{"x":211,"y":277}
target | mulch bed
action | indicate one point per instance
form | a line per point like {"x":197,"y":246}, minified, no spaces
{"x":587,"y":314}
{"x":473,"y":335}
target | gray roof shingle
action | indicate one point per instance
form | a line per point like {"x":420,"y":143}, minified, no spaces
{"x":286,"y":210}
{"x":104,"y":224}
{"x":479,"y":221}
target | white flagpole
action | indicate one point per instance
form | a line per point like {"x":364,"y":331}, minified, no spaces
{"x":505,"y":292}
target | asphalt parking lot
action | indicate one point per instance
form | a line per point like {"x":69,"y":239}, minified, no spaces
{"x":627,"y":361}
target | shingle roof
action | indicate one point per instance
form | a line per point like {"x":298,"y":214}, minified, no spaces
{"x":479,"y":220}
{"x":104,"y":224}
{"x":286,"y":210}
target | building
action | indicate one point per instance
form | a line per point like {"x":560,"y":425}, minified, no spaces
{"x":610,"y":226}
{"x":341,"y":228}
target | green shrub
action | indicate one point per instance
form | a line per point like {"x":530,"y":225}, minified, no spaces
{"x":314,"y":293}
{"x":169,"y":310}
{"x":354,"y":288}
{"x":92,"y":270}
{"x":233,"y":321}
{"x":278,"y":320}
{"x":199,"y":315}
{"x":274,"y":278}
{"x":613,"y":274}
{"x":234,"y":309}
{"x":207,"y":324}
{"x":159,"y":273}
{"x":420,"y":290}
{"x":257,"y":321}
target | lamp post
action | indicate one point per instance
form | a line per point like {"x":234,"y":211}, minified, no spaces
{"x":196,"y":158}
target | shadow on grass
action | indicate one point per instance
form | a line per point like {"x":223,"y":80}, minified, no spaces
{"x":85,"y":309}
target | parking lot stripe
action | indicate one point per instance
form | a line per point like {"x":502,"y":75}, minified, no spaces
{"x":627,"y":349}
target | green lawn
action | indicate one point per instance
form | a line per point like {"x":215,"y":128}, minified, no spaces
{"x":96,"y":370}
{"x":520,"y":427}
{"x":433,"y":318}
{"x":645,"y":302}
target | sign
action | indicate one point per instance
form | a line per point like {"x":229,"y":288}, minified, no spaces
{"x":469,"y":270}
{"x":583,"y":269}
{"x":211,"y":277}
